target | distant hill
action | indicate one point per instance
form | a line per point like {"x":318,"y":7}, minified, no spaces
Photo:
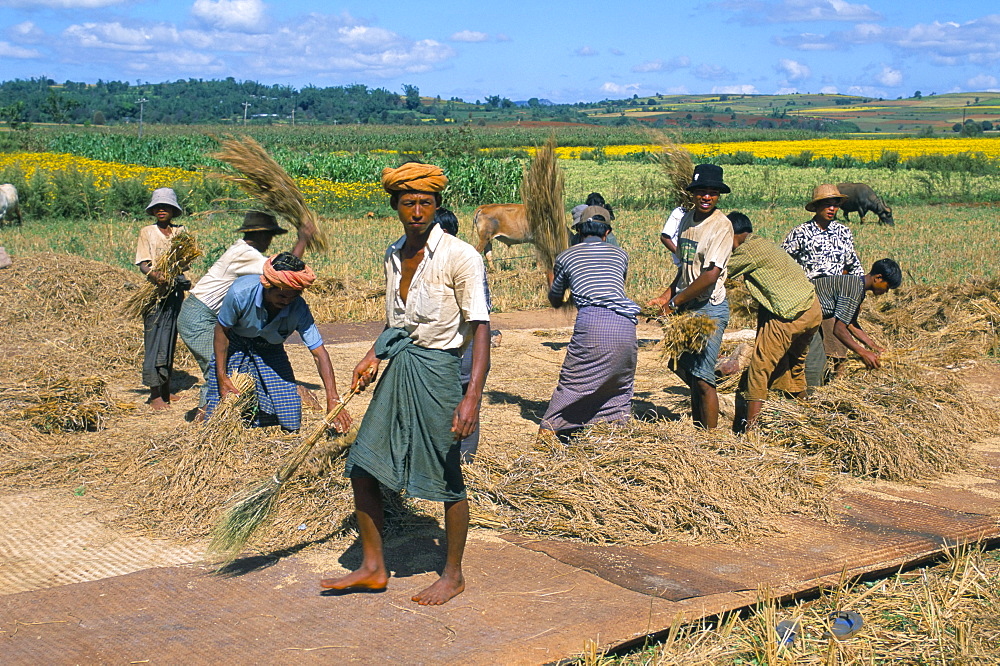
{"x":198,"y":101}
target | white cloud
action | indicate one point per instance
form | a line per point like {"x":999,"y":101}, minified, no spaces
{"x":982,"y":82}
{"x":755,"y":12}
{"x":786,"y":91}
{"x":8,"y":50}
{"x":60,"y":4}
{"x":829,"y":90}
{"x":807,"y":41}
{"x":503,"y":37}
{"x":238,"y":15}
{"x":865,"y":91}
{"x":27,"y":33}
{"x":745,"y":89}
{"x":793,"y":70}
{"x":619,"y":89}
{"x":117,"y":37}
{"x":469,"y":36}
{"x":649,"y":66}
{"x":890,"y":77}
{"x":712,"y":72}
{"x":586,"y":51}
{"x":974,"y":42}
{"x":675,"y":63}
{"x":617,"y":52}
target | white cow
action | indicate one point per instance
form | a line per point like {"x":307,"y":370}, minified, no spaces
{"x":9,"y":208}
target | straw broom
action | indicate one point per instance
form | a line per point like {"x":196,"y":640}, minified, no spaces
{"x":264,"y":179}
{"x":172,"y":263}
{"x":252,"y":508}
{"x":542,"y":194}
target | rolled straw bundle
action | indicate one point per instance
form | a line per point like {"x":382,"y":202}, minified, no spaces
{"x":172,"y":263}
{"x":264,"y":179}
{"x":542,"y":194}
{"x":253,"y":507}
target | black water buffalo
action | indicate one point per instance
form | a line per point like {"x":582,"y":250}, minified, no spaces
{"x":862,"y":199}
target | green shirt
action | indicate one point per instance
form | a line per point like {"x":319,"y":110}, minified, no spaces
{"x":774,"y":279}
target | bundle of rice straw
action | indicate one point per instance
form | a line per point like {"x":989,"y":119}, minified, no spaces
{"x":172,"y":263}
{"x":899,"y":423}
{"x":65,"y":405}
{"x":682,"y":332}
{"x":678,"y":167}
{"x":264,"y":179}
{"x":686,"y":484}
{"x":233,"y":414}
{"x":542,"y":194}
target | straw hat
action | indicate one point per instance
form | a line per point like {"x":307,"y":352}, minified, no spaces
{"x":255,"y":220}
{"x":708,"y":177}
{"x":591,"y":211}
{"x":164,"y":196}
{"x":821,"y":192}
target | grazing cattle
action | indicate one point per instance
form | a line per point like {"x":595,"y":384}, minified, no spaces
{"x":862,"y":199}
{"x":9,"y":208}
{"x":507,"y":223}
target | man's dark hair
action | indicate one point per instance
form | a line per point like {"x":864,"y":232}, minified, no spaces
{"x":890,"y":272}
{"x":741,"y":223}
{"x":597,"y":199}
{"x":286,"y":261}
{"x":447,"y":220}
{"x":594,"y":226}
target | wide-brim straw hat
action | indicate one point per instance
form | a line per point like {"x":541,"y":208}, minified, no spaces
{"x":591,"y":211}
{"x":255,"y":220}
{"x":708,"y":177}
{"x":164,"y":196}
{"x":821,"y":192}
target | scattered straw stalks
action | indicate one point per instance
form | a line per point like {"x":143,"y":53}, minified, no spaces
{"x":944,"y":614}
{"x":264,"y":179}
{"x":252,"y":508}
{"x":64,"y":405}
{"x":542,"y":193}
{"x":170,"y":265}
{"x":685,"y":484}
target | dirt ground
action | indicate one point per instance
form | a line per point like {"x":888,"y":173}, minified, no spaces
{"x":64,"y":534}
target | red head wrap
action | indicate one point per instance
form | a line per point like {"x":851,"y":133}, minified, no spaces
{"x":297,"y":280}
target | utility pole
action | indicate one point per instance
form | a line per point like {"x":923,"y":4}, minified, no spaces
{"x":293,"y":116}
{"x":246,"y":105}
{"x":141,"y":102}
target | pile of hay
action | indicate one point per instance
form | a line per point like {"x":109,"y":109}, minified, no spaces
{"x":63,"y":313}
{"x":264,"y":179}
{"x":65,"y":405}
{"x":644,"y":483}
{"x":542,"y":193}
{"x":171,"y":264}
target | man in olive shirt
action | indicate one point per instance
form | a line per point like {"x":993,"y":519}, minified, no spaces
{"x":787,"y":319}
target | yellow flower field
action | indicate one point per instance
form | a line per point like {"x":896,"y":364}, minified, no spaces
{"x":318,"y":192}
{"x":863,"y":149}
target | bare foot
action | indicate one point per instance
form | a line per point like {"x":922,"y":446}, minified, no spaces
{"x":159,"y":404}
{"x":443,"y":590}
{"x":362,"y":578}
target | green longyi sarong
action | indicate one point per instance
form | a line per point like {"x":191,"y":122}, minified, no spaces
{"x":405,"y":440}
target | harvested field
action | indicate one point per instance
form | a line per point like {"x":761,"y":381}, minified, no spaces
{"x":657,"y":479}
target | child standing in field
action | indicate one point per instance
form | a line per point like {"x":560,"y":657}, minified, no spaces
{"x":160,"y":324}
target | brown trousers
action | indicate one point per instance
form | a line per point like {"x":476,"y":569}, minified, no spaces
{"x":779,"y":353}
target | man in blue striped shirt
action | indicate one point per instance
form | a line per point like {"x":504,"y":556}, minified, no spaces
{"x":597,"y":377}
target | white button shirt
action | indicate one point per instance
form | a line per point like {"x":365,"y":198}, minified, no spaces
{"x":446,"y":292}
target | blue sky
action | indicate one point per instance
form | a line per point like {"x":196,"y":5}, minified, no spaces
{"x":562,"y":51}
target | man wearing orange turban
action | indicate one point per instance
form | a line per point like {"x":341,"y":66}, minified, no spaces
{"x":410,"y":436}
{"x":258,"y":314}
